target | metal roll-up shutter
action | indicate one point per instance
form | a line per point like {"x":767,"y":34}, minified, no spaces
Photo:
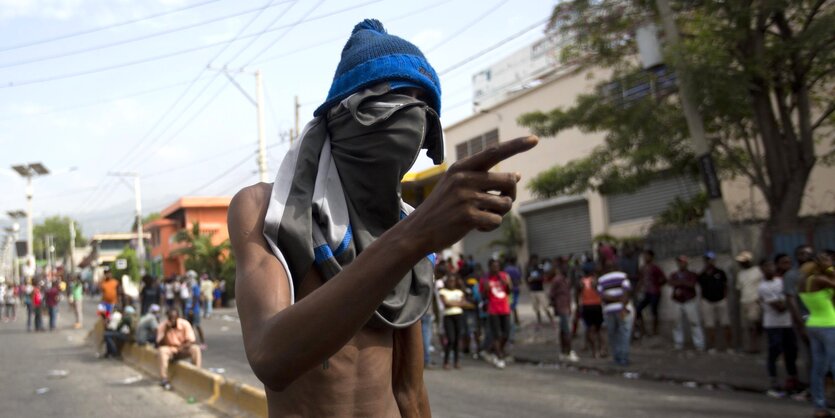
{"x":650,"y":200}
{"x":559,"y":230}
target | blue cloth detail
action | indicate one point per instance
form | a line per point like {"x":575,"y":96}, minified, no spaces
{"x":431,"y":258}
{"x":322,"y":253}
{"x":345,"y":242}
{"x":372,"y":56}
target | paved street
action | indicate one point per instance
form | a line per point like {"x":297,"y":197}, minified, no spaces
{"x":32,"y":368}
{"x":478,"y":390}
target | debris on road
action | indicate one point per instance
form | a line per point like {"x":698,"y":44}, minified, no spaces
{"x":218,"y":370}
{"x":57,"y":374}
{"x":41,"y":391}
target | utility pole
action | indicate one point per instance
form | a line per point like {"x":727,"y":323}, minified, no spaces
{"x":258,"y":101}
{"x":718,"y":211}
{"x":262,"y":144}
{"x":28,"y":171}
{"x":140,"y":235}
{"x":72,"y":246}
{"x":296,"y":107}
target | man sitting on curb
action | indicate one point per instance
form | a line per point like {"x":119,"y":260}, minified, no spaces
{"x":146,"y":330}
{"x":175,"y":339}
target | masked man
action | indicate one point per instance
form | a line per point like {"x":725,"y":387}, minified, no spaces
{"x":333,"y":270}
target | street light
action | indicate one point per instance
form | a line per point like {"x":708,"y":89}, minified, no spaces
{"x":140,"y":239}
{"x":28,"y":171}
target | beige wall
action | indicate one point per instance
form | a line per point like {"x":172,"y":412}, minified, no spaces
{"x":573,"y":144}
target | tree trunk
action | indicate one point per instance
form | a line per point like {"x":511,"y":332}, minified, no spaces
{"x":784,"y":207}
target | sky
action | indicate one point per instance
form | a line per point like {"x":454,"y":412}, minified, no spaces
{"x":93,"y":87}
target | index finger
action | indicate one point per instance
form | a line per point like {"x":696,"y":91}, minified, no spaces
{"x":488,"y":158}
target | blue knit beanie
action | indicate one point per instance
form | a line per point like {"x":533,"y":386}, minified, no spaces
{"x":372,"y":56}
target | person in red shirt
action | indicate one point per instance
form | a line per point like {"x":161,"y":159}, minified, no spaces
{"x":37,"y":304}
{"x":53,"y":296}
{"x":496,"y":288}
{"x":651,"y":281}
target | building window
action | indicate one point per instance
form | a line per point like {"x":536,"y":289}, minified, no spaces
{"x":477,"y":144}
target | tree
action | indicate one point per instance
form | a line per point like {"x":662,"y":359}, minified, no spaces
{"x":201,"y":254}
{"x":763,"y":72}
{"x":511,"y":236}
{"x":59,"y":228}
{"x":132,"y":268}
{"x":151,"y":217}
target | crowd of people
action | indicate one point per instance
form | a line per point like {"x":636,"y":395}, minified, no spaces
{"x":175,"y":337}
{"x":40,"y":297}
{"x":787,"y":299}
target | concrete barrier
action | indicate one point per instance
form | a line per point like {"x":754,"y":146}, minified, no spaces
{"x":225,"y":395}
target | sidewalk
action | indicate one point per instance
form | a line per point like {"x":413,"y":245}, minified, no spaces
{"x":55,"y":374}
{"x":654,"y":359}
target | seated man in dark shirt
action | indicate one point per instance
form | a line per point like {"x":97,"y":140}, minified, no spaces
{"x":714,"y":284}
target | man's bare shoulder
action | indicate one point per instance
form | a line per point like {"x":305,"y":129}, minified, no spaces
{"x":247,"y":210}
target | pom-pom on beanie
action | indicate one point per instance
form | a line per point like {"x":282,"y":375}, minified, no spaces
{"x":372,"y":56}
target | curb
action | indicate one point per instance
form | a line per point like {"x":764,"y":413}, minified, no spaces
{"x":227,"y":396}
{"x":654,"y":377}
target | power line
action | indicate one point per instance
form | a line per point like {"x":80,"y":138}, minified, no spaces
{"x":293,"y":25}
{"x":492,"y":47}
{"x":103,"y":101}
{"x":13,"y":84}
{"x":468,"y":26}
{"x":251,"y":41}
{"x":139,"y":38}
{"x":221,"y":175}
{"x":184,"y":93}
{"x":342,"y":37}
{"x":201,"y":161}
{"x":101,"y":28}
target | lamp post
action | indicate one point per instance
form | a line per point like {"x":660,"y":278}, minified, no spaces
{"x":28,"y":171}
{"x":15,"y":232}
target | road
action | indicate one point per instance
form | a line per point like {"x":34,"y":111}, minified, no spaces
{"x":56,"y":374}
{"x":479,"y":390}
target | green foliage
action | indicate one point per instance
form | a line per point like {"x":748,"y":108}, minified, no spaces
{"x":132,"y":268}
{"x":151,"y":217}
{"x":684,"y":212}
{"x":763,"y":75}
{"x":203,"y":256}
{"x":59,"y":228}
{"x":511,"y":236}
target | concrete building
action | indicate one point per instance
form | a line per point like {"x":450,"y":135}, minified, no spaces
{"x":568,"y":224}
{"x":209,"y":212}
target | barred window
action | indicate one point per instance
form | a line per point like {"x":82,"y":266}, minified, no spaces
{"x":477,"y":144}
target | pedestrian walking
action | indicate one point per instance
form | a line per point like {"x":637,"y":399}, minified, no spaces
{"x":170,"y":292}
{"x":53,"y":298}
{"x":452,"y":297}
{"x":614,"y":289}
{"x":193,"y":307}
{"x":38,"y":306}
{"x":496,"y":288}
{"x":150,"y":294}
{"x":110,"y":291}
{"x":560,"y":297}
{"x":747,"y":282}
{"x":686,"y":305}
{"x":11,"y":301}
{"x":591,"y":310}
{"x":515,"y":275}
{"x":816,"y":291}
{"x":207,"y":288}
{"x":651,"y":281}
{"x":777,"y":323}
{"x":535,"y":279}
{"x":713,"y":283}
{"x":77,"y":300}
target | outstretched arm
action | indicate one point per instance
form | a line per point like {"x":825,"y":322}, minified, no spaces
{"x":283,"y":341}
